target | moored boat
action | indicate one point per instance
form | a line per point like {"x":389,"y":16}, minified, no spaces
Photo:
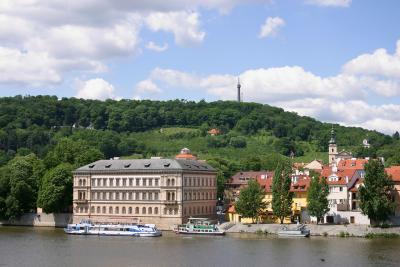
{"x":86,"y":227}
{"x":299,"y":231}
{"x":199,"y":226}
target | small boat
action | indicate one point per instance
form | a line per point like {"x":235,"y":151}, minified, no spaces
{"x":300,"y":231}
{"x":86,"y":227}
{"x":199,"y":226}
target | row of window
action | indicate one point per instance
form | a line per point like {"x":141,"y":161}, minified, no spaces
{"x":127,"y":210}
{"x":199,"y":210}
{"x":197,"y":181}
{"x":125,"y":196}
{"x":199,"y":196}
{"x":109,"y":182}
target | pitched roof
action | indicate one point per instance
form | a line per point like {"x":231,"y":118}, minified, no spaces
{"x":145,"y":165}
{"x":394,"y":172}
{"x":242,"y":178}
{"x":301,"y":183}
{"x":341,"y":174}
{"x":357,"y":164}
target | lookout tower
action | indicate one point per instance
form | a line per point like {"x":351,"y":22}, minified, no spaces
{"x":238,"y":90}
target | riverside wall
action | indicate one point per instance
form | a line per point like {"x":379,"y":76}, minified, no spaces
{"x":41,"y":219}
{"x":316,"y":230}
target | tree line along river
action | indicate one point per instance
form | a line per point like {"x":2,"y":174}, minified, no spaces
{"x":27,"y":246}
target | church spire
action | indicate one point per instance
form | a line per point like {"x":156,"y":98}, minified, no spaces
{"x":333,"y":137}
{"x":238,"y":90}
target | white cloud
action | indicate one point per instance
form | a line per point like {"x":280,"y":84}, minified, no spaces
{"x":334,"y":3}
{"x":18,"y":67}
{"x":184,"y":25}
{"x":85,"y":35}
{"x":379,"y":62}
{"x":271,"y":27}
{"x":147,"y":87}
{"x":344,"y":98}
{"x":158,"y":48}
{"x":96,"y":89}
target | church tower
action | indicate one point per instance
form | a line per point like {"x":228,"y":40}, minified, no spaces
{"x":238,"y":90}
{"x":332,"y":148}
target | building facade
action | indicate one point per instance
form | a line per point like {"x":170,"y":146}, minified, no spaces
{"x":160,"y":191}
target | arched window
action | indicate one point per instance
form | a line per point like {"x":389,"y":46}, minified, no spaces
{"x":168,"y":182}
{"x":155,"y":210}
{"x":136,"y":210}
{"x":173,"y":182}
{"x":143,"y":210}
{"x":190,"y":210}
{"x":98,"y":209}
{"x":198,"y":210}
{"x":80,"y":182}
{"x":92,"y":209}
{"x":84,"y":182}
{"x":170,"y":211}
{"x":104,"y":210}
{"x":165,"y":210}
{"x":123,"y":210}
{"x":110,"y":210}
{"x":130,"y":210}
{"x":150,"y":210}
{"x":116,"y":210}
{"x":176,"y":211}
{"x":202,"y":209}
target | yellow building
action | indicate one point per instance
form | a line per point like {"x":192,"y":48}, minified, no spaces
{"x":299,"y":187}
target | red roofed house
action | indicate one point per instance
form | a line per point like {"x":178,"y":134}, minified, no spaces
{"x":214,"y":132}
{"x":186,"y":154}
{"x":394,"y":172}
{"x":343,"y":203}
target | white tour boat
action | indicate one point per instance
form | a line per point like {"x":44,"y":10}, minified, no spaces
{"x":199,"y":226}
{"x":299,"y":231}
{"x":86,"y":227}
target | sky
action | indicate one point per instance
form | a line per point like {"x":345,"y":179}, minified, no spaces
{"x":334,"y":60}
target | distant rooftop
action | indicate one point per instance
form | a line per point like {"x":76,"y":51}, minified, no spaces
{"x":153,"y":164}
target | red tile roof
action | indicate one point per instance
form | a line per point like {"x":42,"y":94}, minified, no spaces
{"x":302,"y":184}
{"x":242,"y":178}
{"x":357,"y":164}
{"x":341,"y":173}
{"x":394,"y":172}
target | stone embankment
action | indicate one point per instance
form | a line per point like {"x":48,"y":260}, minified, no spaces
{"x":316,"y":230}
{"x":41,"y":219}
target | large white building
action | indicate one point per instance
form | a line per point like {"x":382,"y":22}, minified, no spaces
{"x":161,"y":191}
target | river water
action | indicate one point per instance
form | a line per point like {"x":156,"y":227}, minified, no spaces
{"x":25,"y":246}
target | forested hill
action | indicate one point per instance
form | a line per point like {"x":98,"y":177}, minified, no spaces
{"x":35,"y":123}
{"x":42,"y":139}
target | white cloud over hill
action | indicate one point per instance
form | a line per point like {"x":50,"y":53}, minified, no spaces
{"x":342,"y":98}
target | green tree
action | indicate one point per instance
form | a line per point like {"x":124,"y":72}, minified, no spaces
{"x":238,"y":142}
{"x":56,"y":190}
{"x":376,"y":192}
{"x":251,"y":203}
{"x":19,"y":181}
{"x":317,"y":197}
{"x":282,"y":197}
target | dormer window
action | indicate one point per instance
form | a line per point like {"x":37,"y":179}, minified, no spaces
{"x":167,"y":165}
{"x":91,"y":166}
{"x":147,"y":165}
{"x":127,"y":165}
{"x":108,"y":166}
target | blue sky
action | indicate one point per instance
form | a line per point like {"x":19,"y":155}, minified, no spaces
{"x":335,"y":60}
